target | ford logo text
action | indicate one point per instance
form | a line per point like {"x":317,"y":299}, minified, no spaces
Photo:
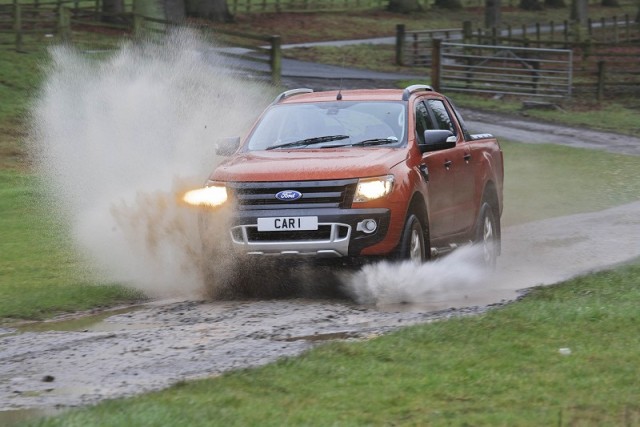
{"x":288,"y":195}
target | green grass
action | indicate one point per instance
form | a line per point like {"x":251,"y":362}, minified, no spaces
{"x":544,"y":181}
{"x":367,"y":56}
{"x":501,"y":368}
{"x":40,"y":274}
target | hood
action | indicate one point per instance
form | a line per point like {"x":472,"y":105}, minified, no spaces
{"x":304,"y":164}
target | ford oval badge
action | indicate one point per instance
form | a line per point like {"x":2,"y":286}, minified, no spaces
{"x":288,"y":195}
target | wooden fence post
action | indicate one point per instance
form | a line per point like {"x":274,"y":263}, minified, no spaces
{"x":276,"y":60}
{"x":467,"y":31}
{"x":17,"y":25}
{"x":138,"y":25}
{"x":64,"y":23}
{"x":627,"y":27}
{"x":436,"y":52}
{"x":601,"y":79}
{"x":400,"y":35}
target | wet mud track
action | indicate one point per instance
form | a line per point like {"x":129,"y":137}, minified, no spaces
{"x":155,"y":345}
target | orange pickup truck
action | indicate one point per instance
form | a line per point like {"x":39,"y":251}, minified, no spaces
{"x":357,"y":174}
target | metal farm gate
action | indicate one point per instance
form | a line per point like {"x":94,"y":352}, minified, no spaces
{"x":509,"y":70}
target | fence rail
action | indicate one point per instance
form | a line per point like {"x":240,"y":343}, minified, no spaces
{"x":611,"y":30}
{"x":476,"y":68}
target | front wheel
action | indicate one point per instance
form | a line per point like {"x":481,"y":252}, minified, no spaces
{"x":412,"y":245}
{"x":487,"y":236}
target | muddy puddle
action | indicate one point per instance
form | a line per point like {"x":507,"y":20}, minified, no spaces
{"x":111,"y":320}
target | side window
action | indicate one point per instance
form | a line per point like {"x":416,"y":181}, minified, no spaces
{"x":423,"y":121}
{"x":465,"y":131}
{"x":441,"y":115}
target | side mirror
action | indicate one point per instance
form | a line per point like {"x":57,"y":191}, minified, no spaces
{"x":435,"y":140}
{"x":227,"y":146}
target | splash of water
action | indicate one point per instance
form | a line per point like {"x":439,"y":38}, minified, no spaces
{"x":389,"y":283}
{"x":117,"y":139}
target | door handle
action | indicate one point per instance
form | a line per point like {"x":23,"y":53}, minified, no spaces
{"x":467,"y":157}
{"x":447,"y":164}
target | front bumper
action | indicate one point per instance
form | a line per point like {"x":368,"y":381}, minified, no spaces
{"x":338,"y":234}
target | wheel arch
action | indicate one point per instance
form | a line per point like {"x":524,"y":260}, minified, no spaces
{"x":418,"y":206}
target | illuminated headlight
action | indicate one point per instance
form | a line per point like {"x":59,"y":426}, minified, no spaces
{"x":373,"y":188}
{"x":212,"y":195}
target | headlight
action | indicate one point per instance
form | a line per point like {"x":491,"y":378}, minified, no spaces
{"x":373,"y":188}
{"x":211,"y":196}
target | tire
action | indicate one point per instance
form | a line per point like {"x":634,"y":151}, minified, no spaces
{"x":412,"y":244}
{"x":488,"y":236}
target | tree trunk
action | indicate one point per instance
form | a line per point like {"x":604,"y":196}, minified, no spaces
{"x":579,"y":12}
{"x":149,"y":9}
{"x":110,"y":8}
{"x":215,"y":10}
{"x":530,"y":5}
{"x":555,"y":4}
{"x":174,"y":10}
{"x":404,"y":6}
{"x":449,"y":4}
{"x":492,"y":13}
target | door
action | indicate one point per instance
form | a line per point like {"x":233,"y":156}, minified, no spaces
{"x":437,"y":166}
{"x":462,"y":167}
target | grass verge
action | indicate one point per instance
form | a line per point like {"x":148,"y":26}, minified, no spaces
{"x":40,"y":274}
{"x":501,"y":368}
{"x":545,"y":181}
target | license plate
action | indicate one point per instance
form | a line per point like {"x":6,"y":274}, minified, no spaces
{"x":288,"y":223}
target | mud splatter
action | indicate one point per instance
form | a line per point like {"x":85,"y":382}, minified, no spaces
{"x":117,"y":139}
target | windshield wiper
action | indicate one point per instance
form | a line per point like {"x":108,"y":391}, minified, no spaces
{"x":366,"y":142}
{"x":309,"y":141}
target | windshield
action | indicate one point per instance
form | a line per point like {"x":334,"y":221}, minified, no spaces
{"x":329,"y":124}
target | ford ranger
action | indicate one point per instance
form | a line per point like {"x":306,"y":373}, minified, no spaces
{"x":359,"y":174}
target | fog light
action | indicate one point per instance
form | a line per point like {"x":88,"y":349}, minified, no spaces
{"x":367,"y":226}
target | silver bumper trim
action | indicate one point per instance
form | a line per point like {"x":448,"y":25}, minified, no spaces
{"x":337,"y":245}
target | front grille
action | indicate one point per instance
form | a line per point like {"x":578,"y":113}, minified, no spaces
{"x":322,"y":233}
{"x":315,"y":194}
